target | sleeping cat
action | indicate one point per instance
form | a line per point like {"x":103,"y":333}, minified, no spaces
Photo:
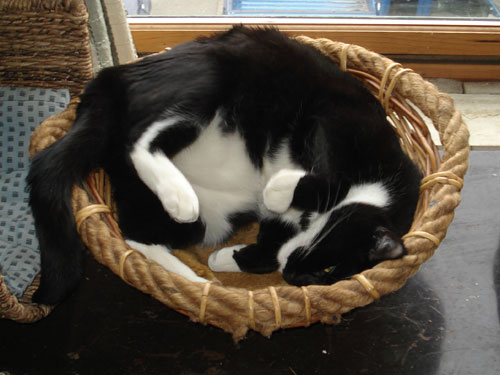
{"x":222,"y":131}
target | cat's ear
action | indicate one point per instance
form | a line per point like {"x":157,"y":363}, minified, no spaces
{"x":387,"y":246}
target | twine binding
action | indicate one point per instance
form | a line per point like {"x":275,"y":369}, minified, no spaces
{"x":123,"y":258}
{"x":343,"y":57}
{"x":441,"y":178}
{"x":204,"y":301}
{"x":307,"y":306}
{"x":423,"y":234}
{"x":367,"y":285}
{"x":385,"y":78}
{"x":276,"y":304}
{"x":251,"y":311}
{"x":385,"y":94}
{"x":88,"y":211}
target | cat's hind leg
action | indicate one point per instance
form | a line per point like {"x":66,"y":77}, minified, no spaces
{"x":151,"y":158}
{"x":163,"y":256}
{"x":169,"y":184}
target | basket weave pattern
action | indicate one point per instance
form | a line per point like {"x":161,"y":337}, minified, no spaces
{"x":235,"y":309}
{"x":44,"y":44}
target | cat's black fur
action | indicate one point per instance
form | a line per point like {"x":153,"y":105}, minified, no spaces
{"x":268,"y":88}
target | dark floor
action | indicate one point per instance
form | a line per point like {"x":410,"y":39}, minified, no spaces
{"x":444,"y":321}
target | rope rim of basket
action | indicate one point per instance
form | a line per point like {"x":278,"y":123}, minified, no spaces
{"x":265,"y":310}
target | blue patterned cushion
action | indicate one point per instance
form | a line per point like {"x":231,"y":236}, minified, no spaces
{"x":21,"y":110}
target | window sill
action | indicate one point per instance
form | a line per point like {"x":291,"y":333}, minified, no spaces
{"x":464,"y":50}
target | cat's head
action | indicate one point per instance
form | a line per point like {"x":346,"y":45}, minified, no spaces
{"x":351,"y":239}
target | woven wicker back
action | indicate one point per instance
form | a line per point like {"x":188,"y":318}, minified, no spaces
{"x":44,"y":43}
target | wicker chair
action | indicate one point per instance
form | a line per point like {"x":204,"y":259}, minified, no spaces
{"x":42,"y":44}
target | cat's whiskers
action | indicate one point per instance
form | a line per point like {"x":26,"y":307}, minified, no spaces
{"x":322,"y":235}
{"x":327,"y":203}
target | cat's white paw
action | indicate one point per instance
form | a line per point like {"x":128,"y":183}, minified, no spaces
{"x":222,"y":260}
{"x":166,"y":181}
{"x":278,"y":193}
{"x":180,"y":201}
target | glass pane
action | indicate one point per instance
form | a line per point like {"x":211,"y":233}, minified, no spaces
{"x":476,"y":9}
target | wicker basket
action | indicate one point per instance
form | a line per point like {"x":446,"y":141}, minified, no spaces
{"x":267,"y":309}
{"x":43,"y":43}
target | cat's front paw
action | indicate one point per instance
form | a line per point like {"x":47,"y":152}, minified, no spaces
{"x":223,"y":261}
{"x":278,"y":193}
{"x":180,"y":201}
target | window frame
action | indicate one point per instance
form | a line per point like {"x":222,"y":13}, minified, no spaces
{"x":455,"y":49}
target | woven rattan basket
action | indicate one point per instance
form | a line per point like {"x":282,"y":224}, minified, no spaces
{"x":267,"y":309}
{"x":43,"y":43}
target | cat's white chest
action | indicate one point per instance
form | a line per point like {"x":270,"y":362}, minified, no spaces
{"x":222,"y":176}
{"x":211,"y":179}
{"x":226,"y":182}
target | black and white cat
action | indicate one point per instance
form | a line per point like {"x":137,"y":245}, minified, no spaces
{"x":246,"y":125}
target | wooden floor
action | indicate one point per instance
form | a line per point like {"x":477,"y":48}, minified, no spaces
{"x":444,"y":321}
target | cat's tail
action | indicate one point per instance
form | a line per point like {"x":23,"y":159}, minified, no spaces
{"x":53,"y":173}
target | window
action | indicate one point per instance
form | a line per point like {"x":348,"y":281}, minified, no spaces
{"x":457,"y":39}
